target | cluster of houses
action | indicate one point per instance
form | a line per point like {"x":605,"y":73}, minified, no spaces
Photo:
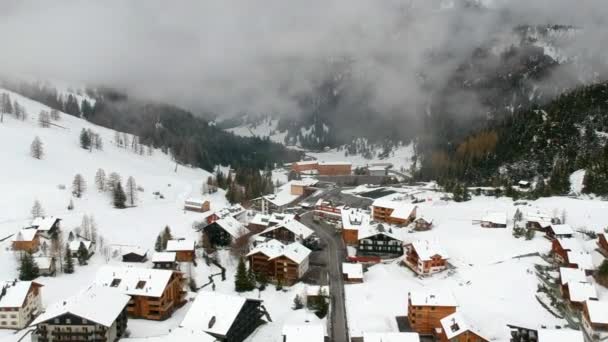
{"x":31,"y":238}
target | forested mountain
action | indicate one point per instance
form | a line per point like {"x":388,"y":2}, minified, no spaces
{"x":190,"y":139}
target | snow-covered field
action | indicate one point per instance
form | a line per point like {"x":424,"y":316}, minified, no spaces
{"x":266,"y":128}
{"x":491,"y":285}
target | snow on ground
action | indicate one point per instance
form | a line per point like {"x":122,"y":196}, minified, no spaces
{"x":576,"y":181}
{"x":400,"y":157}
{"x":24,"y":179}
{"x":266,"y":128}
{"x":490,"y":285}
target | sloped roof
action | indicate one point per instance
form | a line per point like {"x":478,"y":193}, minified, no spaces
{"x":97,"y":304}
{"x":583,"y":260}
{"x":232,"y":226}
{"x":180,"y":245}
{"x":455,"y":324}
{"x":296,"y":252}
{"x":428,"y":249}
{"x":598,"y":311}
{"x":135,"y":281}
{"x":570,"y":244}
{"x":26,"y":234}
{"x":16,"y":292}
{"x":294,"y":226}
{"x":270,"y":248}
{"x":133,"y":250}
{"x":562,"y":229}
{"x":569,"y":274}
{"x":195,"y":202}
{"x":581,"y":291}
{"x":213,"y":312}
{"x":495,"y":217}
{"x":75,"y":245}
{"x":44,"y":223}
{"x":164,"y":257}
{"x":403,"y":212}
{"x":373,"y":230}
{"x":43,"y":262}
{"x":432,"y":298}
{"x":274,"y":249}
{"x":353,"y":271}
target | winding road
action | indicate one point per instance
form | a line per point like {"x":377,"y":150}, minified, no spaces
{"x":336,"y":253}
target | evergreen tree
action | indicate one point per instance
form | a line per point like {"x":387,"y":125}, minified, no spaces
{"x":79,"y":185}
{"x":158,"y":246}
{"x":131,"y":191}
{"x":71,"y":205}
{"x":68,"y":268}
{"x":119,"y":197}
{"x":37,"y":148}
{"x":100,"y":180}
{"x":83,"y":254}
{"x":44,"y":119}
{"x":166,"y":236}
{"x":241,"y":280}
{"x":55,"y":115}
{"x":28,"y":269}
{"x":559,"y":182}
{"x":37,"y":210}
{"x":85,"y":139}
{"x":297,"y":303}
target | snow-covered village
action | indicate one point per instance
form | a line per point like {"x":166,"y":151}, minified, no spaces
{"x":304,"y":171}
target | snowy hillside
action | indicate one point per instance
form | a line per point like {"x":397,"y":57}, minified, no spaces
{"x":24,"y":179}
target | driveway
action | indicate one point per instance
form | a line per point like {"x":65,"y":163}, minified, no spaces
{"x":336,"y":253}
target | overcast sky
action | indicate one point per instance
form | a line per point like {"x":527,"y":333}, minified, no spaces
{"x":232,"y":56}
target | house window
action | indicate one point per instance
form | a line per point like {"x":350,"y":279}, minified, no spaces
{"x":14,"y":323}
{"x":140,"y":284}
{"x":68,"y":321}
{"x":56,"y":321}
{"x":115,"y":283}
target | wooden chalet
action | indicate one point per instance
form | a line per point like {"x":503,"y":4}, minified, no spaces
{"x":47,"y":226}
{"x":96,"y":314}
{"x":284,"y":263}
{"x":74,"y":247}
{"x":184,"y":249}
{"x":353,"y":220}
{"x":46,"y":266}
{"x":227,"y":318}
{"x":393,"y":210}
{"x":287,"y":232}
{"x":165,"y":260}
{"x":425,"y":310}
{"x":352,"y":273}
{"x":26,"y":240}
{"x":575,"y":287}
{"x":377,"y":241}
{"x":309,"y":332}
{"x":561,"y":247}
{"x":20,"y":302}
{"x":454,"y":328}
{"x":222,"y":232}
{"x":602,"y":244}
{"x":134,"y":254}
{"x":539,"y":220}
{"x":261,"y":222}
{"x":425,"y":257}
{"x":595,"y":319}
{"x":423,"y":224}
{"x":560,"y":231}
{"x":197,"y":204}
{"x":155,"y":294}
{"x":494,"y":220}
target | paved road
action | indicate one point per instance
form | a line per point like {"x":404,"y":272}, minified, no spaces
{"x":336,"y":254}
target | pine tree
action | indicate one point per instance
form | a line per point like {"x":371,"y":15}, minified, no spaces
{"x":241,"y":280}
{"x":69,"y":263}
{"x":131,"y":191}
{"x":44,"y":119}
{"x":83,"y":254}
{"x":100,"y":180}
{"x":166,"y":236}
{"x":37,"y":148}
{"x":119,"y":197}
{"x":28,"y":269}
{"x":158,"y":246}
{"x":85,"y":139}
{"x":79,"y":185}
{"x":55,"y":115}
{"x":37,"y":210}
{"x":113,"y":179}
{"x":297,"y":303}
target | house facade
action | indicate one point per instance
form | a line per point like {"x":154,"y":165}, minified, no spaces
{"x":423,"y":224}
{"x":164,"y":261}
{"x":454,"y":328}
{"x":20,"y":303}
{"x":196,"y":204}
{"x":184,"y":249}
{"x":602,"y":244}
{"x":425,"y":257}
{"x":425,"y":310}
{"x":375,"y":241}
{"x":279,"y":262}
{"x":26,"y":240}
{"x":393,"y":210}
{"x":595,"y":319}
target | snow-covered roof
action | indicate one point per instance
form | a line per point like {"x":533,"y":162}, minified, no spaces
{"x":97,"y":304}
{"x":16,"y":292}
{"x":279,"y":218}
{"x":260,"y":220}
{"x":426,"y":250}
{"x":163,"y":257}
{"x":304,"y":182}
{"x":335,"y":163}
{"x":495,"y":217}
{"x":44,"y":223}
{"x":313,"y":290}
{"x":44,"y":263}
{"x":26,"y":234}
{"x":583,"y":260}
{"x":176,"y":335}
{"x":232,"y":211}
{"x":395,"y":202}
{"x":560,"y":335}
{"x":562,"y":229}
{"x":274,"y":249}
{"x":581,"y":291}
{"x":213,"y":312}
{"x":294,"y":226}
{"x":133,"y":250}
{"x":432,"y":298}
{"x":232,"y":226}
{"x":598,"y":311}
{"x":569,"y":274}
{"x":454,"y":325}
{"x":403,"y":211}
{"x":391,"y":337}
{"x":134,"y":281}
{"x":352,"y":271}
{"x":307,"y":162}
{"x":303,"y":333}
{"x":570,"y":244}
{"x":195,"y":202}
{"x":373,"y":230}
{"x":75,"y":245}
{"x":180,"y":245}
{"x":354,"y":218}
